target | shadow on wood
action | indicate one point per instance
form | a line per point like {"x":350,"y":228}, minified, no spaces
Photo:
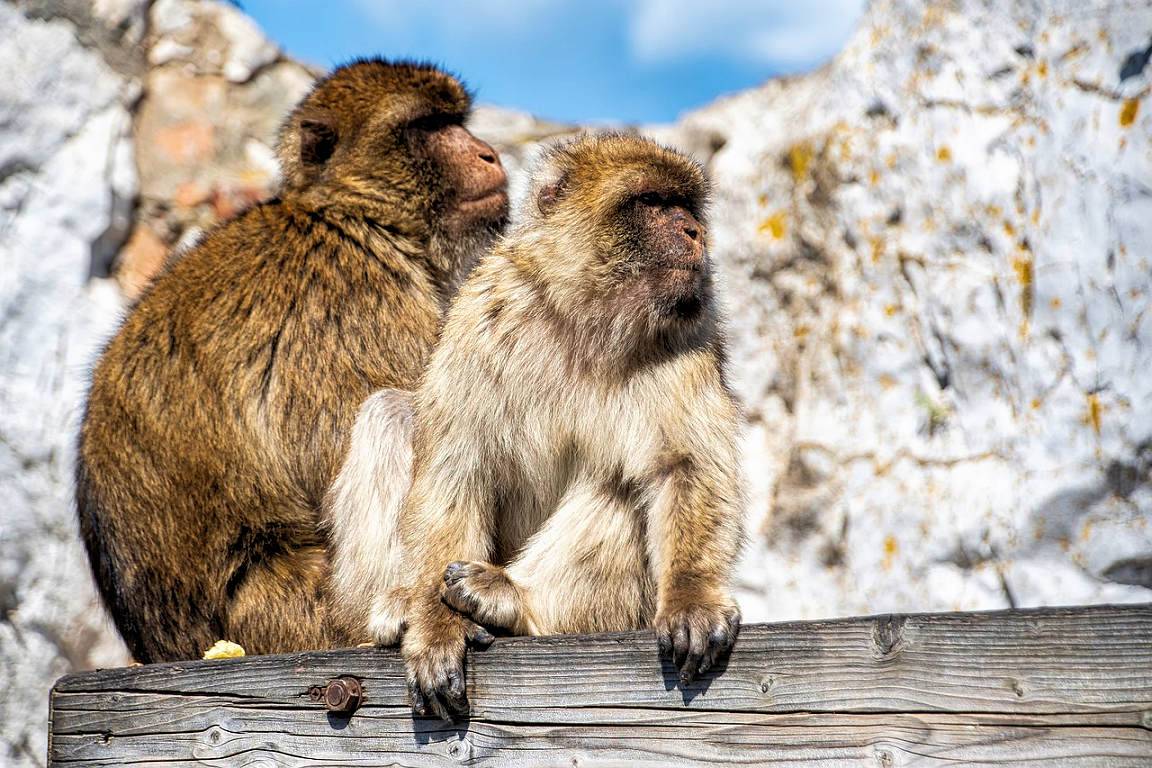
{"x":1067,"y":686}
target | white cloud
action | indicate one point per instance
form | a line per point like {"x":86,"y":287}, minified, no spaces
{"x":788,"y":33}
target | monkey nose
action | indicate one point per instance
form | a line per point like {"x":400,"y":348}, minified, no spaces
{"x":691,"y":230}
{"x":489,"y":156}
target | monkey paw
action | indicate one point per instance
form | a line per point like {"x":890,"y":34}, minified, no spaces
{"x":484,"y":593}
{"x":695,"y":636}
{"x":434,"y":657}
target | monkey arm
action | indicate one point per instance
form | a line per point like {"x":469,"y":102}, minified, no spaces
{"x":362,"y":514}
{"x":696,"y":531}
{"x":448,"y":516}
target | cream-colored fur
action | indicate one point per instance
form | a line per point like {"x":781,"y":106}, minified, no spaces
{"x":575,"y":440}
{"x":363,"y":511}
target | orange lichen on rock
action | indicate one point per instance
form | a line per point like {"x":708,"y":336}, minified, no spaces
{"x":877,"y":244}
{"x":891,"y":547}
{"x":799,"y":159}
{"x":1128,"y":112}
{"x":1023,"y":265}
{"x":775,"y":225}
{"x":1094,"y":412}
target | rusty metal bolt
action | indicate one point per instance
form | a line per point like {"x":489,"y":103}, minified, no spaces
{"x":341,"y":696}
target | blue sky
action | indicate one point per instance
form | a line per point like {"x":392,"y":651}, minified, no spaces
{"x":588,"y":61}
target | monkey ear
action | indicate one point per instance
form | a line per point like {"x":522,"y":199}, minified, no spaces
{"x":317,"y":141}
{"x":550,"y":194}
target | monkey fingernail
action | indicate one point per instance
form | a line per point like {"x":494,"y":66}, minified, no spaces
{"x":454,"y":572}
{"x":479,"y":636}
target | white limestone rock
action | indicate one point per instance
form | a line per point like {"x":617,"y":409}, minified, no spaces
{"x":211,"y":37}
{"x":936,"y":250}
{"x":67,"y":172}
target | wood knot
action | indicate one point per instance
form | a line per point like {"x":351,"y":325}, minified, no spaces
{"x":460,"y":750}
{"x":888,"y":636}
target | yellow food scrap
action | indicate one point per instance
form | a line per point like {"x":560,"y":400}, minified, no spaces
{"x":1036,"y":403}
{"x":224,"y":650}
{"x":944,"y":154}
{"x":874,"y":177}
{"x":1009,"y":228}
{"x":890,"y":309}
{"x":1128,"y":112}
{"x":1055,"y":302}
{"x":800,"y":157}
{"x":776,"y":225}
{"x":1042,"y":69}
{"x":1092,"y":417}
{"x":891,"y":547}
{"x":887,"y":382}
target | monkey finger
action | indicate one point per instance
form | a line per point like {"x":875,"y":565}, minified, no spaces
{"x":680,"y":641}
{"x":455,"y":693}
{"x":721,"y":637}
{"x":455,"y":571}
{"x":697,"y":647}
{"x":477,"y":635}
{"x":719,"y":641}
{"x":707,"y":660}
{"x":734,"y":623}
{"x":664,"y":643}
{"x":417,"y":699}
{"x":439,"y":708}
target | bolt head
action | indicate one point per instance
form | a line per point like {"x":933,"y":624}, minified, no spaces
{"x":343,"y":695}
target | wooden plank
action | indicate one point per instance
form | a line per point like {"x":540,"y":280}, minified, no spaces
{"x":233,"y":736}
{"x":1019,"y":687}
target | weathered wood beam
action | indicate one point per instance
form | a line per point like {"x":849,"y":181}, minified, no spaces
{"x":1038,"y":687}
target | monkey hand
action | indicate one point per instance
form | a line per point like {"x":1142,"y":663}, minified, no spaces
{"x":695,"y":634}
{"x":485,"y":594}
{"x":433,"y":649}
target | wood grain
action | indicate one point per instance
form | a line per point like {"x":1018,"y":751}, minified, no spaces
{"x":1039,"y":687}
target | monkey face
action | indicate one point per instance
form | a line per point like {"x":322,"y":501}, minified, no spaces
{"x":388,"y":141}
{"x":628,"y":216}
{"x":472,"y":183}
{"x":662,"y":257}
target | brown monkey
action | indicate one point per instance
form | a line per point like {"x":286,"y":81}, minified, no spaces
{"x":575,"y":456}
{"x":220,"y":412}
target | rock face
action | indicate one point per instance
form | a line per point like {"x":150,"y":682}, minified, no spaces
{"x":936,"y":257}
{"x":67,"y":181}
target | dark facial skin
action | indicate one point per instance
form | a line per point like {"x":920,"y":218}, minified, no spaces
{"x":667,"y":244}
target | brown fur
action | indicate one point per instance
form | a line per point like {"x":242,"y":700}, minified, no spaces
{"x":575,"y":454}
{"x":220,"y":412}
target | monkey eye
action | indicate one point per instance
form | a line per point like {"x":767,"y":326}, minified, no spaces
{"x":652,"y":198}
{"x":435,"y":122}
